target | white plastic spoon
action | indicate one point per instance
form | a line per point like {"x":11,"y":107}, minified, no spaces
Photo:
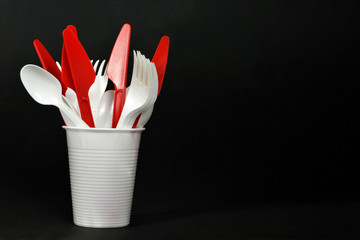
{"x":103,"y":118}
{"x":70,"y":96}
{"x":45,"y":89}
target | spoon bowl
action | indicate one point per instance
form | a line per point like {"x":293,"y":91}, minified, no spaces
{"x":44,"y":92}
{"x":45,"y":89}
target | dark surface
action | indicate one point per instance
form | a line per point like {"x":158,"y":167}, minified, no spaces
{"x":255,"y":133}
{"x":39,"y":217}
{"x":42,"y":218}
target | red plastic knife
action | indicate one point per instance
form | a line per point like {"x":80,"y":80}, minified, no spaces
{"x":82,"y":72}
{"x":160,"y":60}
{"x":117,"y":70}
{"x":47,"y":62}
{"x":65,"y":68}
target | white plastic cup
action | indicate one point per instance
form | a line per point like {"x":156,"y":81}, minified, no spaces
{"x":102,"y":164}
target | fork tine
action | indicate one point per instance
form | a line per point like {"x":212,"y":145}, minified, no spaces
{"x":96,"y":65}
{"x":134,"y":64}
{"x":144,"y":70}
{"x":149,"y":72}
{"x":155,"y":77}
{"x":105,"y":71}
{"x":101,"y":68}
{"x":140,"y":68}
{"x":154,"y":84}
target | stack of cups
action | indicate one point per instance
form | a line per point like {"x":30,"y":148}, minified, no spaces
{"x":102,"y":174}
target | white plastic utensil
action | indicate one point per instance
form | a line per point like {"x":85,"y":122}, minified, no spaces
{"x":97,"y":89}
{"x":71,"y":101}
{"x":160,"y":60}
{"x":142,"y":92}
{"x":58,"y":64}
{"x":45,"y":89}
{"x":103,"y":117}
{"x":70,"y":95}
{"x":145,"y":116}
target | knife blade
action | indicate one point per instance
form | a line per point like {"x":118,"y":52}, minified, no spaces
{"x":65,"y":68}
{"x":117,"y":70}
{"x":82,"y":73}
{"x":160,"y":59}
{"x":47,"y":62}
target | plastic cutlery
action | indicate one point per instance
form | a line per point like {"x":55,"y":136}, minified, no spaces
{"x":82,"y":73}
{"x":71,"y":96}
{"x":142,"y":92}
{"x":103,"y":118}
{"x":160,"y":60}
{"x":95,"y":92}
{"x":47,"y":62}
{"x":66,"y":77}
{"x":45,"y":89}
{"x":58,"y":64}
{"x":97,"y":89}
{"x":117,"y":70}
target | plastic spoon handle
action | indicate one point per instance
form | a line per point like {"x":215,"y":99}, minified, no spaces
{"x":71,"y":115}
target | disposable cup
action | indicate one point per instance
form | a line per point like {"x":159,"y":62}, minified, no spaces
{"x":102,"y":164}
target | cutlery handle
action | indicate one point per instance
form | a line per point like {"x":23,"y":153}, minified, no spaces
{"x":136,"y":121}
{"x":71,"y":116}
{"x":85,"y":111}
{"x":119,"y":101}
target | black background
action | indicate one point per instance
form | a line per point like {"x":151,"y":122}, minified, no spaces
{"x":259,"y":107}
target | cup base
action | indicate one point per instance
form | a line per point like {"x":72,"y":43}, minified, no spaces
{"x":101,"y":225}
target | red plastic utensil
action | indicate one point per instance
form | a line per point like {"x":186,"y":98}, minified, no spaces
{"x":65,"y":68}
{"x":47,"y":62}
{"x":72,"y":28}
{"x":117,"y":70}
{"x":82,"y":73}
{"x":160,"y":60}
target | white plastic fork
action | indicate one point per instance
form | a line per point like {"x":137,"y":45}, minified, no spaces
{"x":97,"y":89}
{"x":142,"y":92}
